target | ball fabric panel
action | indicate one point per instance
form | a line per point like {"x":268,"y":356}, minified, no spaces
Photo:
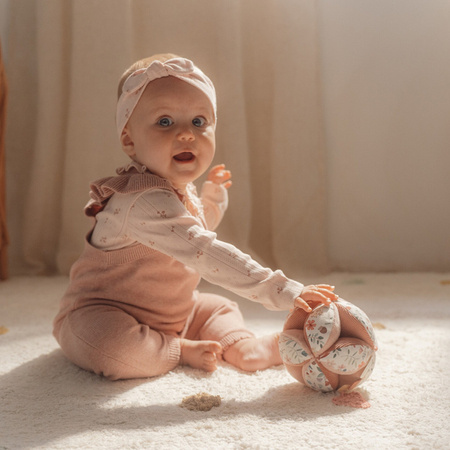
{"x":356,"y":323}
{"x":293,"y":348}
{"x":347,"y":356}
{"x":319,"y":378}
{"x":322,"y":328}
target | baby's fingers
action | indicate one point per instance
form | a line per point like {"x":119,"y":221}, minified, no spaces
{"x":217,"y":167}
{"x":218,"y":170}
{"x":324,"y":286}
{"x":300,"y":303}
{"x":219,"y":175}
{"x":319,"y":293}
{"x":321,"y":290}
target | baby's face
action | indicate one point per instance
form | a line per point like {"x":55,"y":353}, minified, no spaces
{"x":172,"y":131}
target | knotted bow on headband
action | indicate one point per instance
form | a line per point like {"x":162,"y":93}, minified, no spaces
{"x":135,"y":84}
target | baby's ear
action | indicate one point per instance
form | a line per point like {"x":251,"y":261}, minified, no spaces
{"x":127,"y":142}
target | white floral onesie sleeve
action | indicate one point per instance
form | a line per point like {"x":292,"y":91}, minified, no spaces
{"x":158,"y":219}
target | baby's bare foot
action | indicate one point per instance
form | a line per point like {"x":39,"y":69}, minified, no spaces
{"x":200,"y":354}
{"x":254,"y":354}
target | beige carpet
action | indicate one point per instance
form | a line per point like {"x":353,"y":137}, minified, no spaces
{"x":46,"y":402}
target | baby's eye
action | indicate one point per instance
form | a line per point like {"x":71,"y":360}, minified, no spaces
{"x":165,"y":122}
{"x":199,"y":121}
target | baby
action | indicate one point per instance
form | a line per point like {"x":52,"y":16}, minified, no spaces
{"x":132,"y":308}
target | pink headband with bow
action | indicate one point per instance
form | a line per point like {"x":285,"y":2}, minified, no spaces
{"x":135,"y":84}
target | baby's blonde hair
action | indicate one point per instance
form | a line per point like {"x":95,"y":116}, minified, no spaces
{"x":142,"y":64}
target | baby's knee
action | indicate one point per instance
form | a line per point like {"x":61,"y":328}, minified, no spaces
{"x":213,"y":304}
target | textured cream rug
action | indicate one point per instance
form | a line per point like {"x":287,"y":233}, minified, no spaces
{"x":46,"y":402}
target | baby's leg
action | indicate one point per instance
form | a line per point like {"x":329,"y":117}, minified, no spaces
{"x":218,"y":319}
{"x":254,"y":354}
{"x":215,"y":318}
{"x":106,"y":340}
{"x":200,"y":354}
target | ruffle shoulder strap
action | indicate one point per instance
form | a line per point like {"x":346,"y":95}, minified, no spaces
{"x":104,"y":188}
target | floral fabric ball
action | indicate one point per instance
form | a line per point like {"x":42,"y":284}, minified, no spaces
{"x":330,"y":348}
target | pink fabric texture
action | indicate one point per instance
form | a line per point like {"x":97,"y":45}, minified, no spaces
{"x":135,"y":84}
{"x":118,"y":343}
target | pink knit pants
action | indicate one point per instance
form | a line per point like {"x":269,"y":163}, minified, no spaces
{"x":106,"y":340}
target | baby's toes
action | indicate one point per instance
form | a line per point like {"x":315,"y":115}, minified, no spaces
{"x":209,"y":362}
{"x":213,"y":347}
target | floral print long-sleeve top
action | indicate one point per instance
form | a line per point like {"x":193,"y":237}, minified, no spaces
{"x":182,"y":227}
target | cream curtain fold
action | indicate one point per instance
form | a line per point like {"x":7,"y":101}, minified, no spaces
{"x":64,"y":62}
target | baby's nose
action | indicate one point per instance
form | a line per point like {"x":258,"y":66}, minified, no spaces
{"x":186,"y":134}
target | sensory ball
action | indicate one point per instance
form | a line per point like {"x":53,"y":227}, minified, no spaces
{"x":330,"y":348}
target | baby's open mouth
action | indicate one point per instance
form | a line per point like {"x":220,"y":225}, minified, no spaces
{"x":184,"y":157}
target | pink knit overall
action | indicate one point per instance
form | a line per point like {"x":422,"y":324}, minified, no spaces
{"x":125,"y":310}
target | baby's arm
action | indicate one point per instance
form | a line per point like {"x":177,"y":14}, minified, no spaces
{"x":161,"y":222}
{"x":214,"y":196}
{"x":321,"y":293}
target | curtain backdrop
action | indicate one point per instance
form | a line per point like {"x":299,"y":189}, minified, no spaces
{"x":64,"y":62}
{"x":333,"y":118}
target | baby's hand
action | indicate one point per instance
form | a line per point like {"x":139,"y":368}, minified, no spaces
{"x":316,"y":294}
{"x":219,"y":175}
